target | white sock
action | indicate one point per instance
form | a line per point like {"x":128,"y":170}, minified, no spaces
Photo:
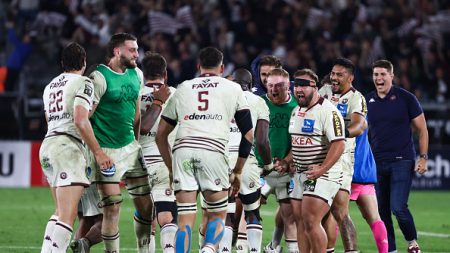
{"x":142,"y":230}
{"x":241,"y":243}
{"x":61,"y":237}
{"x":330,"y":250}
{"x":208,"y":249}
{"x":112,"y":242}
{"x":254,"y":237}
{"x":47,"y":242}
{"x":201,"y":240}
{"x":167,"y":239}
{"x":225,"y":243}
{"x":276,"y":236}
{"x":292,"y":246}
{"x":152,"y":245}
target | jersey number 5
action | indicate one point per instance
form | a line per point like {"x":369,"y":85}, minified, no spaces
{"x":202,"y":99}
{"x":55,"y":104}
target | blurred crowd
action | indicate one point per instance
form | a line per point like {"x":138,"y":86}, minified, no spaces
{"x":412,"y":34}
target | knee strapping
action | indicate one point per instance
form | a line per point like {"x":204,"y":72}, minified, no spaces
{"x":180,"y":239}
{"x":217,"y":206}
{"x":137,"y":189}
{"x":211,"y":230}
{"x":138,"y":217}
{"x":110,"y":200}
{"x":186,"y":208}
{"x":250,"y":201}
{"x":253,"y":217}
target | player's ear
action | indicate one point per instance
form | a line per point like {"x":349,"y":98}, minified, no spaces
{"x":198,"y":67}
{"x":165,"y":76}
{"x":222,"y":68}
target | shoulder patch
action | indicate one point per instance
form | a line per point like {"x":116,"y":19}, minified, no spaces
{"x":337,"y":125}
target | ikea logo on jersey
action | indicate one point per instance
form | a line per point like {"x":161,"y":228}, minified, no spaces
{"x":208,"y":116}
{"x":342,"y":109}
{"x":308,"y":126}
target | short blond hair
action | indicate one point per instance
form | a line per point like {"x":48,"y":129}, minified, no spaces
{"x":279,"y":72}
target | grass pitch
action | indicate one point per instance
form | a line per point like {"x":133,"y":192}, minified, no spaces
{"x":24,"y":214}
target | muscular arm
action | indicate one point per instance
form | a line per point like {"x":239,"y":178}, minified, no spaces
{"x":164,"y":129}
{"x":81,"y":120}
{"x":334,"y":153}
{"x":357,"y":125}
{"x":420,"y":126}
{"x":149,"y":118}
{"x":137,"y":118}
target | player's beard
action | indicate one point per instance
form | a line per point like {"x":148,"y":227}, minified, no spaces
{"x":128,"y":63}
{"x":305,"y":100}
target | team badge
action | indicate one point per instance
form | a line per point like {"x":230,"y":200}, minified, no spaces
{"x":308,"y":126}
{"x":309,"y":185}
{"x":217,"y":181}
{"x":345,"y":100}
{"x":290,"y":186}
{"x":63,"y":175}
{"x":168,"y":192}
{"x":251,"y":185}
{"x":301,"y":114}
{"x":393,"y":97}
{"x":88,"y":90}
{"x":342,"y":109}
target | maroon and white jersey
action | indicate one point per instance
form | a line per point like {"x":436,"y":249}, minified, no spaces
{"x":203,"y":109}
{"x":347,"y":103}
{"x":312,"y":130}
{"x":61,"y":96}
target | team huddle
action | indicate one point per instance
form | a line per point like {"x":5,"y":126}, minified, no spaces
{"x":212,"y":138}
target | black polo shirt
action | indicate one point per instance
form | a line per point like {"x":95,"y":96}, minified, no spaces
{"x":389,"y":121}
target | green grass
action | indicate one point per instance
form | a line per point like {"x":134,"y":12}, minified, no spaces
{"x":24,"y":213}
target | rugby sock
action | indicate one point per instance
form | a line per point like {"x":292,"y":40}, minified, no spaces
{"x":208,"y":249}
{"x":330,"y":250}
{"x":241,"y":243}
{"x":112,"y":242}
{"x":61,"y":237}
{"x":276,"y":236}
{"x":142,"y":230}
{"x":47,"y":242}
{"x":292,"y":246}
{"x":152,"y":245}
{"x":225,"y":243}
{"x":94,"y":235}
{"x":254,"y":235}
{"x":201,"y":240}
{"x":167,"y":239}
{"x":380,"y":236}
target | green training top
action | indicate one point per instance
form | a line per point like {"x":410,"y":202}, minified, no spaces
{"x":279,"y":137}
{"x":113,"y":119}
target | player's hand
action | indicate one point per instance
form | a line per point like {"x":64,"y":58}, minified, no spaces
{"x":314,"y":172}
{"x":162,"y":93}
{"x":105,"y":162}
{"x":281,"y":165}
{"x":235,"y":181}
{"x":421,"y":166}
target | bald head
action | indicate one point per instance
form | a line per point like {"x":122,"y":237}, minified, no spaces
{"x":243,"y":77}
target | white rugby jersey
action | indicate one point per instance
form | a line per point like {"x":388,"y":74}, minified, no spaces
{"x":147,"y":141}
{"x":203,"y":108}
{"x":61,"y":96}
{"x":312,"y":132}
{"x":350,"y":102}
{"x":259,"y":111}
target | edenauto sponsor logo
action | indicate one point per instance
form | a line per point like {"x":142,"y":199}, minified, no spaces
{"x":207,"y":116}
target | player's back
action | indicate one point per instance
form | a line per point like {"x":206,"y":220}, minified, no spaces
{"x":147,"y":141}
{"x":258,"y":109}
{"x":60,"y":97}
{"x":204,"y":108}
